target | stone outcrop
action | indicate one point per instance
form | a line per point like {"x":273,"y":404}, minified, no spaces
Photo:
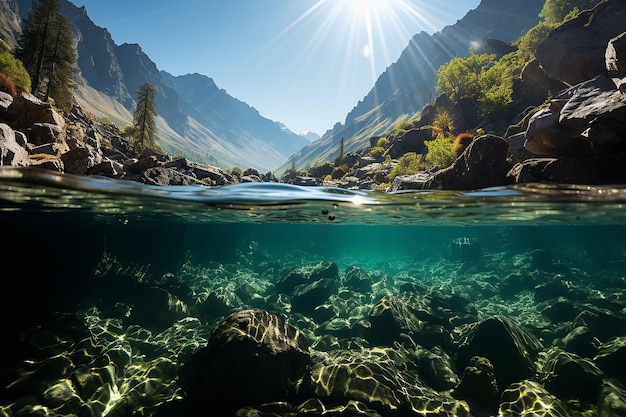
{"x":34,"y":134}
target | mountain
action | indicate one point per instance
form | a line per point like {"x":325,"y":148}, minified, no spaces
{"x":408,"y":84}
{"x":197,"y":119}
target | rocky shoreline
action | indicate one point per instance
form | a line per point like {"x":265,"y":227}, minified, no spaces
{"x":574,"y":137}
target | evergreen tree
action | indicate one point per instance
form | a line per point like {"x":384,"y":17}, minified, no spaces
{"x":47,"y":49}
{"x":144,"y":116}
{"x":554,"y":11}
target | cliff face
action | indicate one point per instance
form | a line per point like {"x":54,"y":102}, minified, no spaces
{"x":406,"y":86}
{"x":206,"y":125}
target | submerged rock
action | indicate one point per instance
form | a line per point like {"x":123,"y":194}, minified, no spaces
{"x":529,"y":398}
{"x":252,"y":357}
{"x":384,"y":379}
{"x":513,"y":356}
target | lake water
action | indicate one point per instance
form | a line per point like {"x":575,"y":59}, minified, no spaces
{"x":109,"y":287}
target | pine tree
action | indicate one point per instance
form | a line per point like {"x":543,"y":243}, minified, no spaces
{"x":144,"y":116}
{"x":47,"y":48}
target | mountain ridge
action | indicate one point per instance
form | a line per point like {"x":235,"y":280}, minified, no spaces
{"x":403,"y":89}
{"x":109,"y":74}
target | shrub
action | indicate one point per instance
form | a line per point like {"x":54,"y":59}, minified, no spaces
{"x":383,"y":143}
{"x":408,"y":164}
{"x":461,"y":142}
{"x":441,"y":151}
{"x":377,"y":152}
{"x":13,"y":69}
{"x":459,"y":77}
{"x":338,"y":173}
{"x":7,"y":85}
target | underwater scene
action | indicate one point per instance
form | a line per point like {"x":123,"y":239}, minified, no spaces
{"x":267,"y":299}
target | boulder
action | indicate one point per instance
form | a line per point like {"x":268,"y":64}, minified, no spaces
{"x":575,"y":51}
{"x":616,"y":61}
{"x":513,"y":357}
{"x":569,"y":376}
{"x":384,"y":379}
{"x":252,"y":357}
{"x":478,"y":385}
{"x":11,"y":153}
{"x":529,"y":398}
{"x":612,"y":399}
{"x":26,"y":110}
{"x":166,"y":176}
{"x":611,"y":358}
{"x":411,"y":141}
{"x":483,"y":164}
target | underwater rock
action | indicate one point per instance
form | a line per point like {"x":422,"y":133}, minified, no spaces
{"x":612,"y":399}
{"x":569,"y":376}
{"x":157,"y":309}
{"x":389,"y":318}
{"x":214,"y":307}
{"x":308,"y":296}
{"x":603,"y":323}
{"x":436,"y":368}
{"x":561,"y":310}
{"x":580,"y":341}
{"x":252,"y":357}
{"x":305,"y":275}
{"x":358,"y":280}
{"x":611,"y":358}
{"x":478,"y":385}
{"x":529,"y":398}
{"x":513,"y":356}
{"x":384,"y":379}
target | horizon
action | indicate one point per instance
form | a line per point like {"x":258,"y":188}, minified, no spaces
{"x":304,"y":64}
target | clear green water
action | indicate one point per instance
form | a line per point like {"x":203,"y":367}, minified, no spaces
{"x":62,"y":233}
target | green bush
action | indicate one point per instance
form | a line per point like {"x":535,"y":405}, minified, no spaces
{"x":441,"y":151}
{"x":13,"y":68}
{"x":383,"y":143}
{"x":459,"y":77}
{"x":377,"y":152}
{"x":408,"y":164}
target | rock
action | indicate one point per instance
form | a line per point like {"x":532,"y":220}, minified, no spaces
{"x":157,"y":309}
{"x":252,"y":357}
{"x":575,"y":51}
{"x":561,"y":310}
{"x":529,"y":398}
{"x":611,"y":358}
{"x":513,"y":357}
{"x":411,"y":141}
{"x":308,"y":296}
{"x":604,"y":324}
{"x":615,"y":57}
{"x":166,"y":176}
{"x":482,"y":164}
{"x":545,"y":136}
{"x":580,"y":341}
{"x":26,"y":110}
{"x":410,"y":182}
{"x":436,"y":368}
{"x":478,"y":385}
{"x":11,"y":153}
{"x":612,"y":399}
{"x":569,"y":376}
{"x":596,"y":111}
{"x":390,"y":317}
{"x":384,"y":379}
{"x":357,"y":280}
{"x":306,"y":181}
{"x":80,"y":160}
{"x":304,"y":275}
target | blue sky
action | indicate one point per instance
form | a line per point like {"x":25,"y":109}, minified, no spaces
{"x":305,"y":63}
